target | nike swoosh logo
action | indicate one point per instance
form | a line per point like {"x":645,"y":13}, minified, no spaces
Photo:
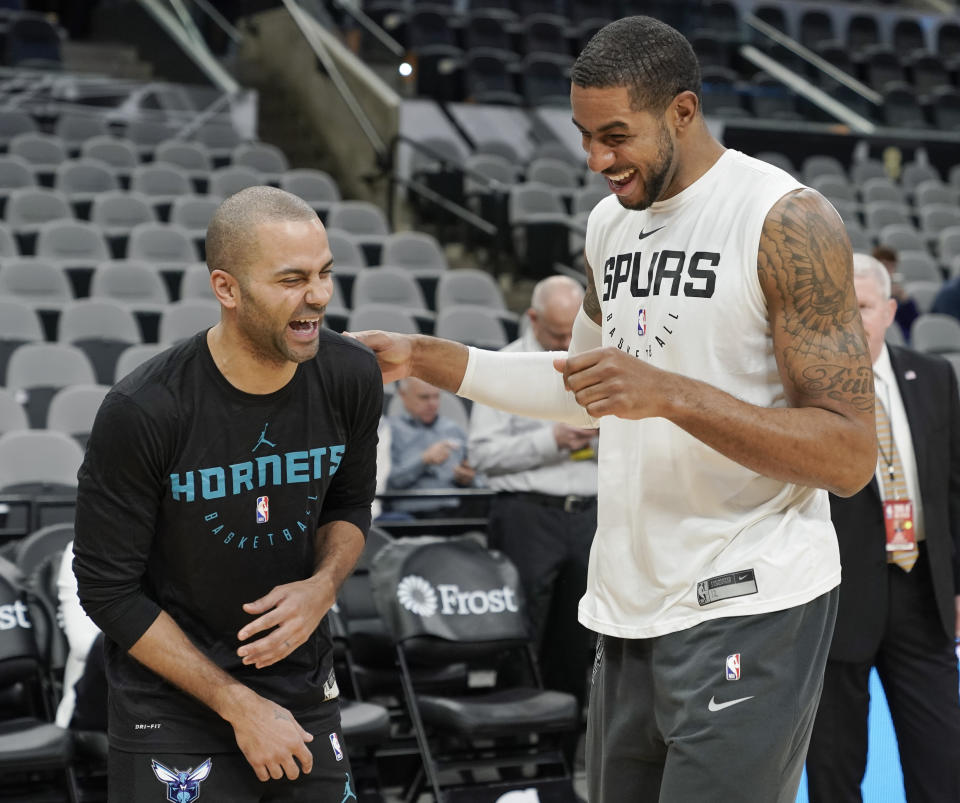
{"x":713,"y":705}
{"x":648,"y":233}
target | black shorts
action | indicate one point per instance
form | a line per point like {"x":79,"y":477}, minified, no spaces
{"x":231,"y":779}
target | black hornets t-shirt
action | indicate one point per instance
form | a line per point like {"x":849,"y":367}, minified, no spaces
{"x":195,"y":498}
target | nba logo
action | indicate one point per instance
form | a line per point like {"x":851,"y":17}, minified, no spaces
{"x":335,"y":744}
{"x":733,"y":666}
{"x":641,"y":322}
{"x":263,"y":509}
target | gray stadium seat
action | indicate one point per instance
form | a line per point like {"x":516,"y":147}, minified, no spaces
{"x":15,"y":172}
{"x":934,"y":218}
{"x":75,"y":247}
{"x":901,"y":237}
{"x":419,"y":253}
{"x":267,"y":160}
{"x":103,"y":329}
{"x":475,"y":326}
{"x":220,"y":139}
{"x":14,"y":122}
{"x":878,"y":214}
{"x":193,"y":157}
{"x":40,"y":369}
{"x":882,"y":189}
{"x":469,"y":287}
{"x":864,"y":169}
{"x":117,"y":213}
{"x":390,"y":286}
{"x":539,"y":226}
{"x":161,"y":244}
{"x":134,"y":356}
{"x":948,"y":244}
{"x":821,"y":165}
{"x":133,"y":284}
{"x":73,"y":410}
{"x":315,"y":187}
{"x":914,"y":173}
{"x":922,"y":293}
{"x":19,"y":324}
{"x":365,"y":221}
{"x":29,"y":208}
{"x":36,"y":282}
{"x":554,"y":173}
{"x":83,"y":179}
{"x":196,"y":283}
{"x":936,"y":333}
{"x":935,"y":192}
{"x":380,"y":316}
{"x":226,"y":181}
{"x":148,"y":134}
{"x":193,"y":213}
{"x":183,"y":319}
{"x":12,"y":415}
{"x":120,"y":154}
{"x":917,"y":266}
{"x":75,"y":128}
{"x":42,"y":151}
{"x":161,"y":183}
{"x":30,"y":457}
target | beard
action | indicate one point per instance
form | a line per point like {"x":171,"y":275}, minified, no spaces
{"x":654,"y":179}
{"x":264,"y":340}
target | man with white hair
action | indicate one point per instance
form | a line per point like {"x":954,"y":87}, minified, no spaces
{"x":899,"y":541}
{"x":545,"y":512}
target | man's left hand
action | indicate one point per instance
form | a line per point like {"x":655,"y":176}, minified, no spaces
{"x":464,"y":474}
{"x":608,"y":382}
{"x":294,"y":609}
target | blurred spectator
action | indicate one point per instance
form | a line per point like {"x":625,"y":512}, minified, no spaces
{"x":428,"y":451}
{"x":544,"y":515}
{"x":947,"y":299}
{"x":907,"y":311}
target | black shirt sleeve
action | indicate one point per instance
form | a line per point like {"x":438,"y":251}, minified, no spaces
{"x":354,"y":484}
{"x":118,"y":498}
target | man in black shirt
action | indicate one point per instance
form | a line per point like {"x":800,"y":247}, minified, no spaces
{"x":224,"y":497}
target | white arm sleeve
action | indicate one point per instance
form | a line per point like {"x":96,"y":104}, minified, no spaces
{"x":523,"y":383}
{"x":586,"y":334}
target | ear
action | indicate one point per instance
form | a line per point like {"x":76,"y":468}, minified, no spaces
{"x":891,"y":311}
{"x":225,"y":288}
{"x":683,"y":110}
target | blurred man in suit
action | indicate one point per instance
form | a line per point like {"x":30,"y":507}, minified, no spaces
{"x":899,"y":540}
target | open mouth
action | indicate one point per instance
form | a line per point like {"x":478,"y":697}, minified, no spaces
{"x":622,"y":183}
{"x":304,"y":328}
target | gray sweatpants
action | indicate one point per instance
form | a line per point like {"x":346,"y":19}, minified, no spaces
{"x":719,"y":712}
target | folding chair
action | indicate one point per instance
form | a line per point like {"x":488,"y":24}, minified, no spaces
{"x":30,"y":742}
{"x":447,"y":599}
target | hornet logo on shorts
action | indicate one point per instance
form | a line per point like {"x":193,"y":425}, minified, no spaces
{"x":182,"y":787}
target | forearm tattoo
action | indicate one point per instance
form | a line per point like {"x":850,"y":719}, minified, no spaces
{"x":805,"y":258}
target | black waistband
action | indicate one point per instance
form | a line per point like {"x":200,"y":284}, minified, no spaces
{"x":570,"y":503}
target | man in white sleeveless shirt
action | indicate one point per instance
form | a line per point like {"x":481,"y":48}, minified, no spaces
{"x":721,"y":352}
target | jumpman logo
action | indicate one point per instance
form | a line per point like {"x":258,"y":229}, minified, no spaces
{"x":263,"y":439}
{"x":347,"y":791}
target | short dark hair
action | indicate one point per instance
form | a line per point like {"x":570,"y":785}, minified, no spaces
{"x":231,"y":235}
{"x":654,"y":61}
{"x":885,"y":253}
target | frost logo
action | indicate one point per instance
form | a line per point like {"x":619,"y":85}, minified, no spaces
{"x":417,"y":595}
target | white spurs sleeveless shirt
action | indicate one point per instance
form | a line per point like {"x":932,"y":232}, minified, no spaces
{"x":685,"y":534}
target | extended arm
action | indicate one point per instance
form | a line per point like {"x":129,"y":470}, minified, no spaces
{"x":804,"y":266}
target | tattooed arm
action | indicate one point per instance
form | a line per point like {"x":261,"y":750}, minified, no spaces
{"x":805,"y":271}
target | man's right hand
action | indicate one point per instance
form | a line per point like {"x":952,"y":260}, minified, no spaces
{"x":394,"y":352}
{"x":572,"y":438}
{"x":438,"y":453}
{"x":271,"y":739}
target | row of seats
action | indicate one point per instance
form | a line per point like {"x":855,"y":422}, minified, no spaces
{"x":72,"y":129}
{"x":44,"y":153}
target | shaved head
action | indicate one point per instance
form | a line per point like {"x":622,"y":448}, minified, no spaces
{"x":232,"y":234}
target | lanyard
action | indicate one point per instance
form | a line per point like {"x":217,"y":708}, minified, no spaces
{"x":888,"y":460}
